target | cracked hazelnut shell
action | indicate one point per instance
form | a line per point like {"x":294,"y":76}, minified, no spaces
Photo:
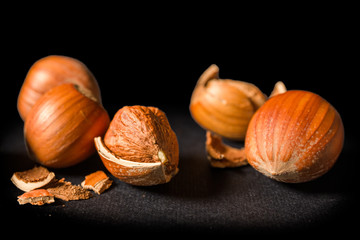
{"x":140,"y":148}
{"x":224,"y":106}
{"x":294,"y":137}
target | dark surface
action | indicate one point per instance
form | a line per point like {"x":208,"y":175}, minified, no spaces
{"x":199,"y":199}
{"x":162,"y":72}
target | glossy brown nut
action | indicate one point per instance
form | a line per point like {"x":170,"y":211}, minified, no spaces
{"x":224,"y":106}
{"x":60,"y":128}
{"x":52,"y":71}
{"x":294,"y":137}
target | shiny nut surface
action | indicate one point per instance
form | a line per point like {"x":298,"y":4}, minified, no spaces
{"x":294,"y":137}
{"x":224,"y":106}
{"x":60,"y":128}
{"x":52,"y":71}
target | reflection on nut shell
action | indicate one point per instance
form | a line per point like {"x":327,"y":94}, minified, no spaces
{"x":140,"y":147}
{"x":52,"y":71}
{"x":294,"y":137}
{"x":224,"y":106}
{"x":60,"y":128}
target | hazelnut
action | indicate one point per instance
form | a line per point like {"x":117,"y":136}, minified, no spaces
{"x":140,"y":147}
{"x":224,"y":106}
{"x":60,"y":127}
{"x":49,"y":72}
{"x":294,"y":137}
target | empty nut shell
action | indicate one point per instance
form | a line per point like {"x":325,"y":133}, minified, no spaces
{"x":224,"y":106}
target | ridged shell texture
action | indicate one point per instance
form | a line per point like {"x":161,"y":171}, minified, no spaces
{"x":294,"y":137}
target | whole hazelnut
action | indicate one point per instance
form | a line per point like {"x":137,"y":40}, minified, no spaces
{"x":294,"y":137}
{"x":60,"y":127}
{"x":49,"y":72}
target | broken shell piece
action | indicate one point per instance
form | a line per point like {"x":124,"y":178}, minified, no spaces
{"x":279,"y":88}
{"x":136,"y":173}
{"x":36,"y":197}
{"x":31,"y":179}
{"x":224,"y":106}
{"x":97,"y":181}
{"x":221,"y":155}
{"x":66,"y":191}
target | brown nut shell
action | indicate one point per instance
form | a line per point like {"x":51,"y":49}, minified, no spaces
{"x":221,"y":155}
{"x":224,"y":106}
{"x":61,"y":126}
{"x":140,"y":147}
{"x":36,"y":197}
{"x":294,"y":137}
{"x":52,"y":71}
{"x":31,"y":179}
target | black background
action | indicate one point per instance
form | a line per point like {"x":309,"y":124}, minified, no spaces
{"x":164,"y":73}
{"x":156,"y":64}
